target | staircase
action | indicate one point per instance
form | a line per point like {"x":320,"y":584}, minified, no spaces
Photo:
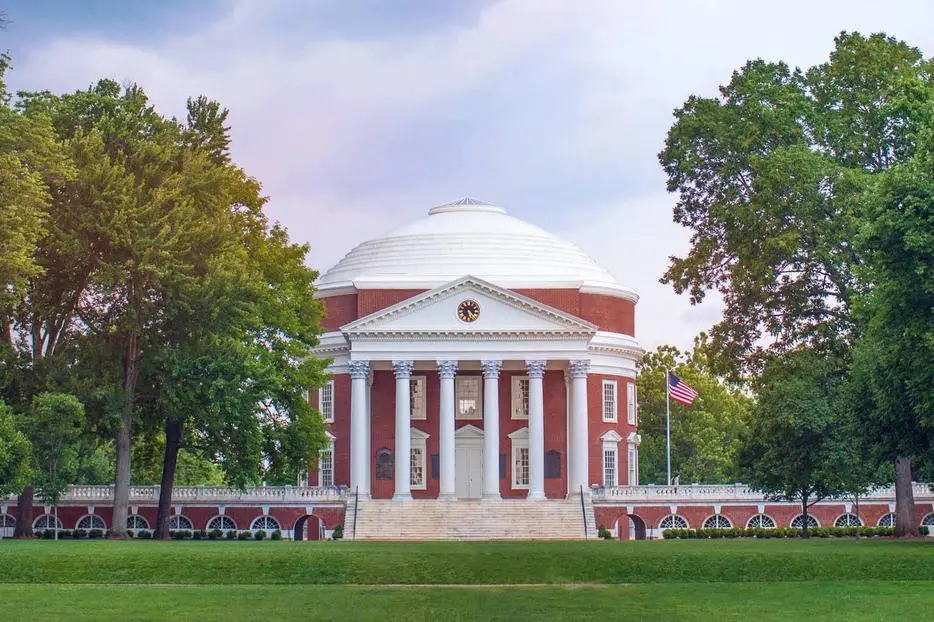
{"x":469,"y":519}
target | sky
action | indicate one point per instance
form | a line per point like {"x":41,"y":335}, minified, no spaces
{"x":359,"y":115}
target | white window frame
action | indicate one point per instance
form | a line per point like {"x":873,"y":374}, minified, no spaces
{"x":326,"y":407}
{"x":520,"y":401}
{"x":417,"y":408}
{"x":633,"y":472}
{"x":610,"y":462}
{"x":610,"y":408}
{"x":631,"y":404}
{"x":611,"y":440}
{"x":418,"y":452}
{"x":327,"y":452}
{"x":519,"y":442}
{"x":459,"y":382}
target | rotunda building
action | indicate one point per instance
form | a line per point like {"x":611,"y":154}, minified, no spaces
{"x":476,"y":356}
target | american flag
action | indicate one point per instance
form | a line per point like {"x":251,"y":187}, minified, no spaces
{"x":680,"y":391}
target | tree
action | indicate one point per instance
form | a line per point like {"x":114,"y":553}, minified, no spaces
{"x":793,"y":449}
{"x":54,"y":425}
{"x":895,"y":355}
{"x":704,"y":436}
{"x":15,"y":454}
{"x":769,"y":177}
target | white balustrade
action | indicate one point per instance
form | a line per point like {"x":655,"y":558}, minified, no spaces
{"x":727,"y":493}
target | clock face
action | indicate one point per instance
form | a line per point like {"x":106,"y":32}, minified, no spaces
{"x":468,"y":311}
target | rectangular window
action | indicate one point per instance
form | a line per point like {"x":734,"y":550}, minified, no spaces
{"x":326,"y":401}
{"x":520,"y":397}
{"x":467,"y":394}
{"x":417,"y":479}
{"x":609,"y":400}
{"x":520,"y":467}
{"x":633,"y":466}
{"x":417,"y":398}
{"x":326,"y":467}
{"x":631,"y":403}
{"x":609,"y":467}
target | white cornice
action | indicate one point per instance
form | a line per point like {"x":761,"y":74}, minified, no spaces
{"x":426,"y":283}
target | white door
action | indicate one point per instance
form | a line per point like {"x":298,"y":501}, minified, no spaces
{"x":468,"y":478}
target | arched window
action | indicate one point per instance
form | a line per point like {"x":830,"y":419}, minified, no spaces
{"x":266,"y":523}
{"x":135,"y":522}
{"x":47,"y":521}
{"x":91,"y":521}
{"x":717,"y":521}
{"x":673,"y":521}
{"x":928,"y":521}
{"x":798,"y":521}
{"x":848,"y":520}
{"x":179,"y":522}
{"x":224,"y":523}
{"x":888,"y":520}
{"x":761,"y":521}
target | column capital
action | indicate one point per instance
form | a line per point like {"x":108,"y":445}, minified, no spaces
{"x":403,"y":369}
{"x":491,"y":369}
{"x":578,"y":369}
{"x":447,"y":369}
{"x":536,"y":369}
{"x":359,"y":369}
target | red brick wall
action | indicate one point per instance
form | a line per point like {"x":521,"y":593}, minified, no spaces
{"x":607,"y":312}
{"x":596,"y":428}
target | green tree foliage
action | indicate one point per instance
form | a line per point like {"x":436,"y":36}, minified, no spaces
{"x":704,"y":436}
{"x":15,"y":454}
{"x":769,"y":176}
{"x":895,"y":355}
{"x":793,"y":450}
{"x":55,"y":426}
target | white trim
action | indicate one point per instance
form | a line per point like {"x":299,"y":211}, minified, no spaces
{"x":418,"y":447}
{"x":321,"y":453}
{"x":610,"y":443}
{"x":519,"y":442}
{"x":326,"y":407}
{"x":632,"y":404}
{"x":207,"y":525}
{"x":520,"y":402}
{"x":609,"y":408}
{"x":418,"y":400}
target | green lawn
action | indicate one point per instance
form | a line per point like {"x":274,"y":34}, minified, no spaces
{"x":678,"y":580}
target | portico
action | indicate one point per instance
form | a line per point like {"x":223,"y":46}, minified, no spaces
{"x":466,"y":354}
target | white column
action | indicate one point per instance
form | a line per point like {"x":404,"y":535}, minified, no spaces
{"x":491,"y":371}
{"x":446,"y":371}
{"x":403,"y":370}
{"x":536,"y":371}
{"x":577,"y":476}
{"x":368,"y":476}
{"x":359,"y":428}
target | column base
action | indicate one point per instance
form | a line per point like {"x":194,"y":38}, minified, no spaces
{"x":536,"y":496}
{"x":402,"y":497}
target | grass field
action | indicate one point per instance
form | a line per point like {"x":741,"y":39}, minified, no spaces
{"x":676,"y":580}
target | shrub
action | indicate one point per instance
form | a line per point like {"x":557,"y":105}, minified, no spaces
{"x":276,"y":535}
{"x":215,"y":534}
{"x":338,"y":532}
{"x":144,"y":534}
{"x":197,"y":534}
{"x":244,"y":535}
{"x":260,"y":535}
{"x":79,"y":533}
{"x":603,"y":532}
{"x":231,"y":534}
{"x":95,"y":534}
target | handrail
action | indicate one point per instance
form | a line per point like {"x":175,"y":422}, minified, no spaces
{"x":583,"y":513}
{"x":356,"y":505}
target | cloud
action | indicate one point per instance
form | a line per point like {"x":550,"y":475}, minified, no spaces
{"x":554,"y":109}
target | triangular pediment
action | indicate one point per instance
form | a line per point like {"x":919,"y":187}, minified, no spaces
{"x":497,"y":310}
{"x":468,"y":432}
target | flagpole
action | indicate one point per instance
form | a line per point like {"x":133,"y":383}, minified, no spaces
{"x":668,"y":426}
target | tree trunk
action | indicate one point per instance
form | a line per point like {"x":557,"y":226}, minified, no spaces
{"x":173,"y":440}
{"x":804,"y":516}
{"x":906,"y":522}
{"x":23,"y":527}
{"x":124,"y":437}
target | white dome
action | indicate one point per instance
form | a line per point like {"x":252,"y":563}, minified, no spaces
{"x":469,"y":237}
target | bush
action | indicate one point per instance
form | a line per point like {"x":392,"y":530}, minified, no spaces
{"x":231,"y":534}
{"x":780,"y":532}
{"x":260,"y":535}
{"x":94,"y":534}
{"x":276,"y":535}
{"x":79,"y":533}
{"x":144,"y":534}
{"x":603,"y":532}
{"x":338,"y":532}
{"x":197,"y":534}
{"x":215,"y":534}
{"x":244,"y":535}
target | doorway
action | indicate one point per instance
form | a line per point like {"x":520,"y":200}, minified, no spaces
{"x":468,"y":462}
